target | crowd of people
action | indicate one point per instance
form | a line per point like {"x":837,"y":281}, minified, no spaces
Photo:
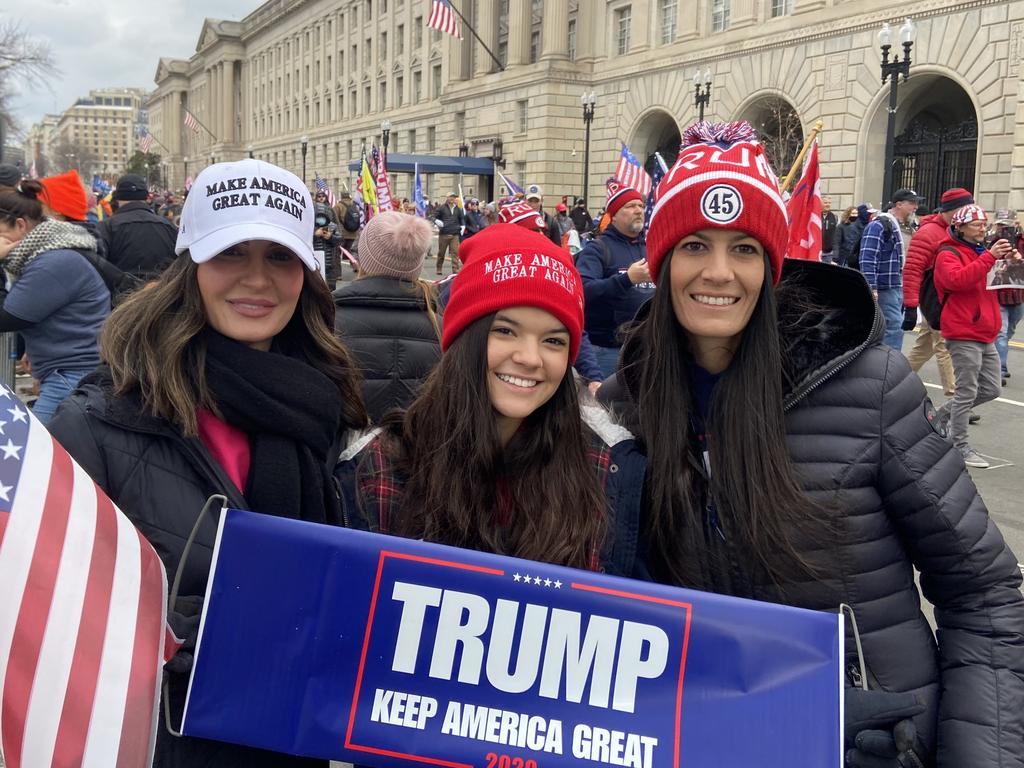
{"x":756,"y":432}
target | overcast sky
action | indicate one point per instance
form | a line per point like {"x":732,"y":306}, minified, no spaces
{"x":109,"y":43}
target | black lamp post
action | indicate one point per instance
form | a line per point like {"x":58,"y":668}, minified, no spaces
{"x":249,"y":149}
{"x":385,"y":135}
{"x":701,"y":98}
{"x":891,"y":71}
{"x":588,"y":100}
{"x":305,"y":148}
{"x":497,"y":157}
{"x":463,"y":149}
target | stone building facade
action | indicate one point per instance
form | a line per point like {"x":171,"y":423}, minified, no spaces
{"x":333,"y":70}
{"x":103,"y":125}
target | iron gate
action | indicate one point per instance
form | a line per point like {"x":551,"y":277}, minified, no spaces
{"x":931,"y":158}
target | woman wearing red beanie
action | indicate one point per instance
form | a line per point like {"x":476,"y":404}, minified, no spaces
{"x":494,"y":454}
{"x":793,"y":458}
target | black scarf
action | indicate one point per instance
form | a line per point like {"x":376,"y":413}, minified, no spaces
{"x":292,"y":414}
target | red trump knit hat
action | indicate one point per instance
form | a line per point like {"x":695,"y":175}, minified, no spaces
{"x":618,"y":195}
{"x":721,"y":180}
{"x":65,"y":195}
{"x":508,"y":266}
{"x":969,"y":213}
{"x":955,"y":198}
{"x":521,"y":214}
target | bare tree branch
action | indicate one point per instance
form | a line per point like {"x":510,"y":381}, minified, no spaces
{"x":25,"y":61}
{"x":781,"y":133}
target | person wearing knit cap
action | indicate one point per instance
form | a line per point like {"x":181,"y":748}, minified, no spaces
{"x":10,"y":175}
{"x":494,"y":454}
{"x":615,"y":273}
{"x":387,"y":317}
{"x":64,"y":197}
{"x":970,"y":319}
{"x":135,"y":239}
{"x":792,"y":457}
{"x":522,"y":214}
{"x":921,"y":252}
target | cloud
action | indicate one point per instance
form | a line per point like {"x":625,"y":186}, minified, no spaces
{"x":108,"y":43}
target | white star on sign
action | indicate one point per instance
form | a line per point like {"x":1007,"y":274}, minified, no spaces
{"x":516,"y":577}
{"x":4,"y":490}
{"x":547,"y":582}
{"x":558,"y":585}
{"x":10,"y":450}
{"x":2,"y":425}
{"x":18,"y":414}
{"x":536,"y":579}
{"x":526,"y":578}
{"x":5,"y":393}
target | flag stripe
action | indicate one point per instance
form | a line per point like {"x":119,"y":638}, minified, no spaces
{"x":35,"y":610}
{"x":141,"y":705}
{"x":443,"y":19}
{"x":81,"y":686}
{"x":115,"y":664}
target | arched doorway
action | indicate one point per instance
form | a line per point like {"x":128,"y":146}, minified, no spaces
{"x":657,"y":132}
{"x":936,"y":145}
{"x":938,"y":148}
{"x":779,"y":128}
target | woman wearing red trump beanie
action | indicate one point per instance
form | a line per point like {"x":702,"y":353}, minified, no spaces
{"x":494,"y":454}
{"x":793,"y":458}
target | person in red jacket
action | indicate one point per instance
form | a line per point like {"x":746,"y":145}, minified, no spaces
{"x":971,"y":320}
{"x":924,"y":245}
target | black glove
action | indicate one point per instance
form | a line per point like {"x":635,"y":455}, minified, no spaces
{"x":184,"y":621}
{"x":879,"y":731}
{"x":909,"y":318}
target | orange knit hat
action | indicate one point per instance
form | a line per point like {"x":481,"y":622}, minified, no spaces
{"x":65,"y":195}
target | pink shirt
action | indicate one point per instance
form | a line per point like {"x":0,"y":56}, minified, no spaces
{"x":228,"y":445}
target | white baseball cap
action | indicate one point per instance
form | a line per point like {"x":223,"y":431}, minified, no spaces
{"x":230,"y":203}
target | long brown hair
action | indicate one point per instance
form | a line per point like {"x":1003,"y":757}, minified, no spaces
{"x":538,"y":497}
{"x":753,"y":485}
{"x":152,"y":343}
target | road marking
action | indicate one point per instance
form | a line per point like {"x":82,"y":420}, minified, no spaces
{"x":1017,"y":344}
{"x":1006,"y":400}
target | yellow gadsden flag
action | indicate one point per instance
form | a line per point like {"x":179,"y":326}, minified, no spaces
{"x":369,"y":189}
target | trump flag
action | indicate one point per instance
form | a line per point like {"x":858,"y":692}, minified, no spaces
{"x":384,"y":651}
{"x":804,"y":209}
{"x":82,"y":622}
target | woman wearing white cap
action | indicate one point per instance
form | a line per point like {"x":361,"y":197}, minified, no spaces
{"x":224,"y":378}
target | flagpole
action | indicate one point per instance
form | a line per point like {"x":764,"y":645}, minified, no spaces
{"x":158,"y":142}
{"x":490,"y":53}
{"x":800,"y":158}
{"x":200,"y":123}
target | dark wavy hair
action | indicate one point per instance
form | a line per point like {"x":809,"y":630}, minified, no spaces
{"x":537,"y":497}
{"x":153,"y":343}
{"x":762,"y":506}
{"x":22,"y":202}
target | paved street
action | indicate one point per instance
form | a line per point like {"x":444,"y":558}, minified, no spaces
{"x":1000,"y":437}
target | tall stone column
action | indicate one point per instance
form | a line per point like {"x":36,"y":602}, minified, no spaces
{"x":487,"y":28}
{"x":555,"y":30}
{"x":228,"y":100}
{"x":586,"y":37}
{"x":518,"y":32}
{"x":212,"y":117}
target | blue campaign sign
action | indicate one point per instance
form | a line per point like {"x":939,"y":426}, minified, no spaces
{"x":383,"y":651}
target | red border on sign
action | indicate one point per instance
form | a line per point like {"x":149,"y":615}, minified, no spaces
{"x":366,"y":645}
{"x":688,"y":607}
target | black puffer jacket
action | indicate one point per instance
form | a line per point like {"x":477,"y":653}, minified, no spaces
{"x":861,"y":440}
{"x":137,"y":241}
{"x":384,"y":323}
{"x":160,"y":480}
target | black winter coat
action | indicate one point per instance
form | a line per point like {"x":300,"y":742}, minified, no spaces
{"x":383,"y":321}
{"x":160,"y":480}
{"x":137,"y":241}
{"x":860,"y":435}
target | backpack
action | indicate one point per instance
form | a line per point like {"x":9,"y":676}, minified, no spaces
{"x":351,"y":220}
{"x":854,"y":260}
{"x":118,"y":282}
{"x":928,"y":296}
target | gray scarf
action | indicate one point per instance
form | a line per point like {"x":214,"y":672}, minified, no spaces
{"x":48,"y":235}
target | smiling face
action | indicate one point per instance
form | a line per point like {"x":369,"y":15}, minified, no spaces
{"x":250,"y":291}
{"x":716,"y":276}
{"x":527,"y":358}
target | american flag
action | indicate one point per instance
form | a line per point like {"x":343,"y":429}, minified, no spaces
{"x":631,"y":173}
{"x":146,"y":142}
{"x":322,"y":186}
{"x":444,"y":19}
{"x":660,"y":169}
{"x":82,"y":623}
{"x":804,"y":209}
{"x":191,"y":122}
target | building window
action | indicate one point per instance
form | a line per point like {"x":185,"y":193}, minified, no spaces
{"x":572,"y":39}
{"x":383,"y":52}
{"x":417,"y":87}
{"x":368,"y":54}
{"x":435,"y":81}
{"x":719,"y":15}
{"x":400,"y":40}
{"x":412,"y":140}
{"x":431,"y":138}
{"x":366,"y":100}
{"x":460,"y":126}
{"x":399,"y":91}
{"x":534,"y":46}
{"x":352,"y":102}
{"x":667,"y":13}
{"x":417,"y":33}
{"x":781,"y":8}
{"x":522,"y":111}
{"x":623,"y":16}
{"x":382,"y":103}
{"x":383,"y":6}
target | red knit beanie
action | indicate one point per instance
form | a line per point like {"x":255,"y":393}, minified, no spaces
{"x":955,"y":198}
{"x":509,"y":266}
{"x":65,"y":195}
{"x":523,"y":215}
{"x":618,"y":195}
{"x":721,"y":180}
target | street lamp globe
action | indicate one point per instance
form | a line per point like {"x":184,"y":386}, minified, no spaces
{"x":908,"y":32}
{"x":885,"y":35}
